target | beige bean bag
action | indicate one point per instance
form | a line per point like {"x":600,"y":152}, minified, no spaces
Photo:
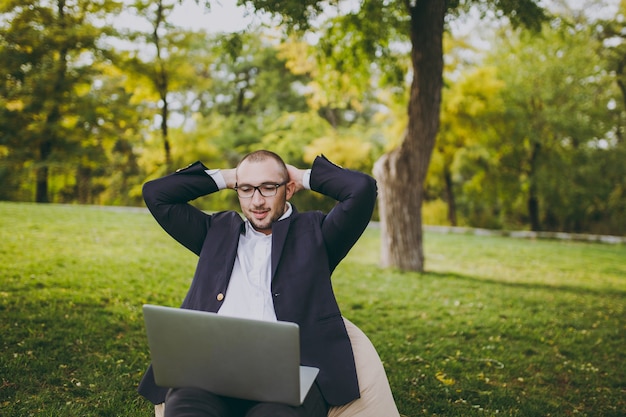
{"x":376,"y":398}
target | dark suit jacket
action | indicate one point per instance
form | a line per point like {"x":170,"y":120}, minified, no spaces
{"x":306,"y":248}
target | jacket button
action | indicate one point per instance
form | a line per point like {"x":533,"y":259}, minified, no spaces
{"x":220,"y":297}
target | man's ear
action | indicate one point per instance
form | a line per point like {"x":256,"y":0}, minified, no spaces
{"x":290,"y":188}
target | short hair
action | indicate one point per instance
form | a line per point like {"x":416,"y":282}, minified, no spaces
{"x":262,"y":155}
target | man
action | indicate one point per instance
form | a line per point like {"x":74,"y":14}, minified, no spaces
{"x":274,"y":265}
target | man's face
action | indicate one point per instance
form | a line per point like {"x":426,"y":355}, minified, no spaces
{"x":261,"y":211}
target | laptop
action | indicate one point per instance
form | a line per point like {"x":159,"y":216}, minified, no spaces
{"x":234,"y":357}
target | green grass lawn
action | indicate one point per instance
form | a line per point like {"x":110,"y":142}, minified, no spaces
{"x":498,"y":326}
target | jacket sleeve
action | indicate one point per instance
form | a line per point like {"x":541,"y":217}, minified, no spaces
{"x":356,"y":195}
{"x":168,"y":199}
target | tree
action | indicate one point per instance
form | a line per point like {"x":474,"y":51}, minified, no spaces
{"x":613,"y":35}
{"x":471,"y":106}
{"x":47,"y":50}
{"x":546,"y":165}
{"x":112,"y":129}
{"x":401,"y":173}
{"x":161,"y":57}
{"x":252,"y":93}
{"x":159,"y":64}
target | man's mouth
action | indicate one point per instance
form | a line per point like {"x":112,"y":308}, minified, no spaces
{"x":260,"y":214}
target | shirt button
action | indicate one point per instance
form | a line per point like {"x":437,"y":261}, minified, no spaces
{"x":220,"y":297}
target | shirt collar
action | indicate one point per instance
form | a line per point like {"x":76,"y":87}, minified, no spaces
{"x":287,"y":212}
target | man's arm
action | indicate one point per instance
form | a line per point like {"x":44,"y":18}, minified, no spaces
{"x":168,"y":198}
{"x":356,"y":195}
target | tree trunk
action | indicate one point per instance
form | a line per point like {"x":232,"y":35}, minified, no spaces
{"x":164,"y":132}
{"x":161,"y":82}
{"x":399,"y":209}
{"x":83,"y":184}
{"x":447,"y":175}
{"x":533,"y":199}
{"x":41,"y":173}
{"x":620,"y":76}
{"x":402,"y":172}
{"x":49,"y":132}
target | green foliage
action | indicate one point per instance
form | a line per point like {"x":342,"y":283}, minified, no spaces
{"x":296,"y":14}
{"x":361,"y":45}
{"x":525,"y":144}
{"x":47,"y":50}
{"x":471,"y":107}
{"x":550,"y":128}
{"x":612,"y":33}
{"x":497,"y":326}
{"x":248,"y":77}
{"x":81,"y":113}
{"x":526,"y":14}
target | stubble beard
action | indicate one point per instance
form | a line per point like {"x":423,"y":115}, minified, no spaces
{"x":266,"y":224}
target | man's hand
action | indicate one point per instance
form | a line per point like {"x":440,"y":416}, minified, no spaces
{"x":230,"y":177}
{"x":295,"y":175}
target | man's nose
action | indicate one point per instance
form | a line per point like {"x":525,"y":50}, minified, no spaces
{"x":257,"y":198}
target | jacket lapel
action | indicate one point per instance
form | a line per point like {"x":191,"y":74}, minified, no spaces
{"x":230,"y":250}
{"x":279,"y":236}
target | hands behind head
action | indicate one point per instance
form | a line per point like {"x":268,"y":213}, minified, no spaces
{"x":295,"y":175}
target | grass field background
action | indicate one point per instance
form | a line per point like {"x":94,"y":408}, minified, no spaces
{"x":497,"y":326}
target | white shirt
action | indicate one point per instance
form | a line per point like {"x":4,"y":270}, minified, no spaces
{"x":249,"y":292}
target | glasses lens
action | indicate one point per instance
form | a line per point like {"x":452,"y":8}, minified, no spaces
{"x":245,"y":191}
{"x":268,"y":190}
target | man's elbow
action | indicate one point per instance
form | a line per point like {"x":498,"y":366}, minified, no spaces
{"x":368,"y":190}
{"x":150,"y":192}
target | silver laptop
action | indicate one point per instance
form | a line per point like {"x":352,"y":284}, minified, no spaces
{"x":241,"y":358}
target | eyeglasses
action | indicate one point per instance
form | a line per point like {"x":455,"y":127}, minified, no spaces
{"x":266,"y":189}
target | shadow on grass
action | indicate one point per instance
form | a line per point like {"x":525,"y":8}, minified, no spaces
{"x":577,"y":290}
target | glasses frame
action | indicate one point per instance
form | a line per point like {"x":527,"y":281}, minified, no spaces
{"x":258,"y":188}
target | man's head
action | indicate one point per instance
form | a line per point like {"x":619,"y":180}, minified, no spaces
{"x":263,"y":187}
